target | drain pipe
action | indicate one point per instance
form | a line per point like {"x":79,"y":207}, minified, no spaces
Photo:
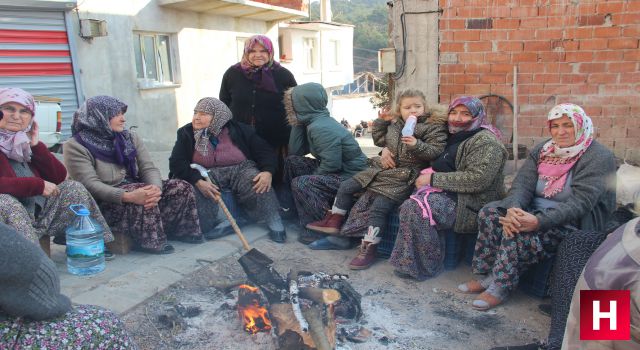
{"x":515,"y":119}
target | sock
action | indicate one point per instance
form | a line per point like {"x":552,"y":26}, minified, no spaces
{"x":275,"y":223}
{"x":487,"y":281}
{"x":336,"y":210}
{"x":498,"y":292}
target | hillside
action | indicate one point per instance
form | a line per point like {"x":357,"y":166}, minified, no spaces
{"x":370,"y":34}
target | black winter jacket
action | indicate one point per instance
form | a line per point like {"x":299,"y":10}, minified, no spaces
{"x":243,"y":136}
{"x":262,"y":109}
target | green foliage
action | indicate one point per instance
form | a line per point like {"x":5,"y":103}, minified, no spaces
{"x":382,"y":97}
{"x":370,"y":32}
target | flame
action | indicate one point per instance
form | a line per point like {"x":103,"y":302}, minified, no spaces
{"x":255,"y":317}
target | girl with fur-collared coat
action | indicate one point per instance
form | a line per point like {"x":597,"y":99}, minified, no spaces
{"x":390,"y":184}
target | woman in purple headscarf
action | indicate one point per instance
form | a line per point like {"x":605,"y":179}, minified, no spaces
{"x":253,"y":89}
{"x":466,"y":176}
{"x":116,"y":168}
{"x":34,"y":193}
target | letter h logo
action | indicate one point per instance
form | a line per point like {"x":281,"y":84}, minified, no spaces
{"x":605,"y":315}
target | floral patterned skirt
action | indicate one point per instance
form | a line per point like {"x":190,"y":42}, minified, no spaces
{"x":418,"y":250}
{"x":55,"y":217}
{"x":84,"y":327}
{"x":175,"y":215}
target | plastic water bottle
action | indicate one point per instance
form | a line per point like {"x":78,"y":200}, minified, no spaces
{"x":85,"y":243}
{"x":409,"y":126}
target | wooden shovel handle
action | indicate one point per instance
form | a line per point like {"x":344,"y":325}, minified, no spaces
{"x":234,"y":225}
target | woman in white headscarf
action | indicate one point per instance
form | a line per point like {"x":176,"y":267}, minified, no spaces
{"x":563,"y":186}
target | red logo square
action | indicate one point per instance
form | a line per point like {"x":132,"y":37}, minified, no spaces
{"x":605,"y":315}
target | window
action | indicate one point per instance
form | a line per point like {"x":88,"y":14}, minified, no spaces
{"x":154,"y":63}
{"x":334,"y":53}
{"x":310,"y":49}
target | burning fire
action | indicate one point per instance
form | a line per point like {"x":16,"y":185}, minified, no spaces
{"x":254,"y":316}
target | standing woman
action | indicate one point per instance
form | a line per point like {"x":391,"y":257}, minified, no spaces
{"x":253,"y":89}
{"x":34,"y":193}
{"x":465,"y":177}
{"x":117,"y":169}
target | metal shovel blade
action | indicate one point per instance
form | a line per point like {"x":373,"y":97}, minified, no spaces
{"x":260,"y":271}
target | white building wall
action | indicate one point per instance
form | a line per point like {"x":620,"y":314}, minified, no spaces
{"x":205,"y":46}
{"x":326,"y":71}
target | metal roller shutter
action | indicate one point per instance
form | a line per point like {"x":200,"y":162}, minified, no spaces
{"x":35,"y":56}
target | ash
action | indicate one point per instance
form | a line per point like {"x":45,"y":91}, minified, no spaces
{"x":199,"y":312}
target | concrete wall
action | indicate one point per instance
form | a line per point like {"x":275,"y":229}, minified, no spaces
{"x":204,"y":45}
{"x":421,"y":66}
{"x":583,"y":52}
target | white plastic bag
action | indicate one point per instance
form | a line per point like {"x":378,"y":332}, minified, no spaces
{"x":628,"y":184}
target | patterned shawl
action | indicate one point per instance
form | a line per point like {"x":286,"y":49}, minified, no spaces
{"x":91,"y":129}
{"x":479,"y":116}
{"x":16,"y":144}
{"x":261,"y":76}
{"x":221,"y":116}
{"x":555,"y":162}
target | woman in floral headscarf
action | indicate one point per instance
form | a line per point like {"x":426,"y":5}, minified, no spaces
{"x":116,"y":168}
{"x":237,"y":159}
{"x":566,"y":184}
{"x":253,"y":90}
{"x":34,"y":195}
{"x":465,"y":177}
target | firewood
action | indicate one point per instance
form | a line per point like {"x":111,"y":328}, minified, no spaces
{"x":283,"y":318}
{"x":316,"y":327}
{"x":226,"y":286}
{"x":320,"y":295}
{"x":293,"y":295}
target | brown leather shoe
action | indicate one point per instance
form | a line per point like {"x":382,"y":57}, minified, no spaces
{"x":366,"y":256}
{"x":330,"y":224}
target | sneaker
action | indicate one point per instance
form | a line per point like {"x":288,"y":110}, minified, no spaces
{"x":330,"y":224}
{"x":367,"y":251}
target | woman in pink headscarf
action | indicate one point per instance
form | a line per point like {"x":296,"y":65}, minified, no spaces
{"x":34,"y":195}
{"x":565,"y":185}
{"x":253,"y":89}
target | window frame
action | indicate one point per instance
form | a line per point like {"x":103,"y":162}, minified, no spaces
{"x":139,"y":48}
{"x":312,"y":54}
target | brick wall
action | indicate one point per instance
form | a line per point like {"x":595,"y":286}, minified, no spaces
{"x":580,"y":51}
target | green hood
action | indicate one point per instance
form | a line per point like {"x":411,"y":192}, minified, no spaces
{"x":306,"y":102}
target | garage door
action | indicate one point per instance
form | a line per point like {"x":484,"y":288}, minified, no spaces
{"x":35,"y":56}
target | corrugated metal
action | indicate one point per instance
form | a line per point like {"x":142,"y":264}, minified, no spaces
{"x":34,"y":55}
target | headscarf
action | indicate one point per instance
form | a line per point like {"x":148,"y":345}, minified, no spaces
{"x":91,"y":129}
{"x":261,"y":76}
{"x":475,"y":107}
{"x":16,"y":144}
{"x":221,"y":116}
{"x":555,"y":162}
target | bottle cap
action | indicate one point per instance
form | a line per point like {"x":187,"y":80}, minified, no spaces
{"x":79,"y":209}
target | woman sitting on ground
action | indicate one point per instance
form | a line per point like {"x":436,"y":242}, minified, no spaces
{"x":337,"y":156}
{"x":563,"y":186}
{"x":116,"y":168}
{"x":33,"y":313}
{"x":237,"y":159}
{"x":34,"y":195}
{"x":465,"y":177}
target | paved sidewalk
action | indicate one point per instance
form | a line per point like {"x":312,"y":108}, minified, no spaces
{"x":131,"y":279}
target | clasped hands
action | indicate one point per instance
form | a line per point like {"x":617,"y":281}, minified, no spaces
{"x":147,"y":196}
{"x":517,"y":220}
